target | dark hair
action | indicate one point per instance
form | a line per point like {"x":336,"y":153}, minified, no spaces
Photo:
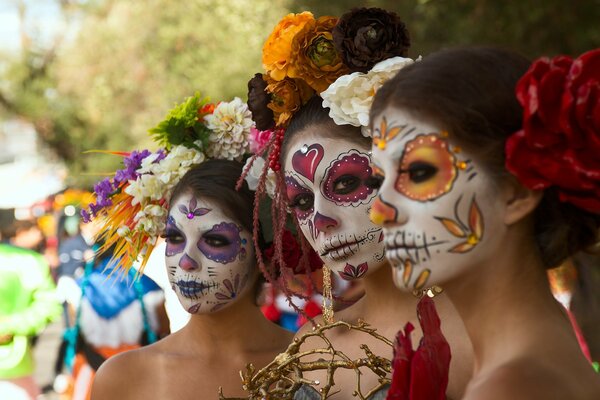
{"x":471,"y":93}
{"x":16,"y":226}
{"x":313,"y":114}
{"x":216,"y":180}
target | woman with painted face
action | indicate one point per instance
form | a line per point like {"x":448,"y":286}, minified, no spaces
{"x":479,"y":198}
{"x":320,"y":77}
{"x":212,"y":268}
{"x":328,"y":185}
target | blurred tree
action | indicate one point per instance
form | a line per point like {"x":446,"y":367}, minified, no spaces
{"x":116,"y":66}
{"x":127,"y":65}
{"x":533,"y":27}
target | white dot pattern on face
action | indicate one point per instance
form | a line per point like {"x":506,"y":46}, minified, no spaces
{"x":353,"y":163}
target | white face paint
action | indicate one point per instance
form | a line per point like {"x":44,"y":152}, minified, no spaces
{"x":209,"y":257}
{"x":327,"y":191}
{"x":439,"y":209}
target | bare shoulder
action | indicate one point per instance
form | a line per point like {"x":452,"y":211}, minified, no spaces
{"x":530,"y":379}
{"x":120,"y":375}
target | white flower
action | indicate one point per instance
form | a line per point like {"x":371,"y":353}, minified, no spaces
{"x":230,"y":124}
{"x":254,"y":173}
{"x":146,"y":187}
{"x":151,"y":220}
{"x":349,"y":98}
{"x":124,"y":231}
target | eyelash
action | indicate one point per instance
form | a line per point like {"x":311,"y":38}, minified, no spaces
{"x":173,"y":237}
{"x":354,"y":183}
{"x":374,"y":181}
{"x":220,"y":241}
{"x":420,"y":172}
{"x":295,"y":203}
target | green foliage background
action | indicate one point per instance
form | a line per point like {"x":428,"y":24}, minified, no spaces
{"x":130,"y":61}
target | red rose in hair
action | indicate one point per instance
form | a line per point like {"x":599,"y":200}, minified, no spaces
{"x":559,"y":145}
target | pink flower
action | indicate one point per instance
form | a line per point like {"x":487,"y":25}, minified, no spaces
{"x":258,"y":139}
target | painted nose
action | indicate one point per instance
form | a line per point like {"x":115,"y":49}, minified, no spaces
{"x":323,"y":223}
{"x":187,"y":263}
{"x":383,"y":212}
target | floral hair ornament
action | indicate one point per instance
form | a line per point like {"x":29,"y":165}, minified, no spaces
{"x":559,"y":144}
{"x":343,"y":60}
{"x":132,"y":205}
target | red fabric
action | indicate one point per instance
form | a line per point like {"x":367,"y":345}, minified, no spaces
{"x":271,"y":312}
{"x":312,"y":309}
{"x":421,"y":374}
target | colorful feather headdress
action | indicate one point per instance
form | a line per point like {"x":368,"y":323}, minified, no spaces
{"x":132,"y":205}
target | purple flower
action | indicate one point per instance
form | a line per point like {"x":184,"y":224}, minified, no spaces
{"x":103,"y":190}
{"x":132,"y":163}
{"x":87,"y":218}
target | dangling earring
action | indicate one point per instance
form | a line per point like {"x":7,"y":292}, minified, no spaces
{"x":327,"y":296}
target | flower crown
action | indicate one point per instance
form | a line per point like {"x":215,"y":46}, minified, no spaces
{"x":559,"y":144}
{"x":345,"y":61}
{"x":133,"y":204}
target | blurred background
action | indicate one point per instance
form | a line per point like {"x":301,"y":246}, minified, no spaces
{"x":80,"y":75}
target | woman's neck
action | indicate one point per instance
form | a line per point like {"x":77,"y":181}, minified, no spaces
{"x":383,"y":299}
{"x":241,"y":328}
{"x":506,"y":304}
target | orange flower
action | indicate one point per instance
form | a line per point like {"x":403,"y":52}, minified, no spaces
{"x":277,"y":48}
{"x":313,"y":55}
{"x":288,"y":95}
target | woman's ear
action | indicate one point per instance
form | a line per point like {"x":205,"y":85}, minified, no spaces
{"x":519,"y":201}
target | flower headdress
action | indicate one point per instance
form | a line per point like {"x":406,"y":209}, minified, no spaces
{"x":559,"y":144}
{"x":344,"y":61}
{"x":132,"y":205}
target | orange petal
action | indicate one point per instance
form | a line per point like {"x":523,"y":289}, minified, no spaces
{"x":452,"y":227}
{"x":461,"y":248}
{"x":476,"y":220}
{"x":407,"y":272}
{"x":392,"y":133}
{"x":422,"y":279}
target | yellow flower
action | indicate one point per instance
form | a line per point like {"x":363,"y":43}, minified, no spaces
{"x":313,"y":55}
{"x":277,"y":48}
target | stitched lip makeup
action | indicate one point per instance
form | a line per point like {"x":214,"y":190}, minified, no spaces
{"x":342,"y":251}
{"x":194,"y":289}
{"x":413,"y":246}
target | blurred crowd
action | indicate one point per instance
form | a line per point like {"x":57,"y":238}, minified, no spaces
{"x":52,"y":272}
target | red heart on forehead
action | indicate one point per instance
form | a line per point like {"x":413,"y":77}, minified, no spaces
{"x":306,"y":160}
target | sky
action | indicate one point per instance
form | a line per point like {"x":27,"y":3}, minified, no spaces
{"x":42,"y":20}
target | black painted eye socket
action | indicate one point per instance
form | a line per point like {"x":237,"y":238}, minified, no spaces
{"x":346,"y":184}
{"x":174,"y":237}
{"x":374,"y":181}
{"x":216,"y":241}
{"x":303,"y":202}
{"x":419,"y":171}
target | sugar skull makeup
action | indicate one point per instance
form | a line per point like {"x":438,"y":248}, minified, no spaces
{"x":328,"y":191}
{"x":209,"y":256}
{"x":435,"y":203}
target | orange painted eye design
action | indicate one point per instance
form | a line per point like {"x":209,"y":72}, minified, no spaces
{"x":427,"y":168}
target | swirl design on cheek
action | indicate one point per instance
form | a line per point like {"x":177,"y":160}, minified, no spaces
{"x":295,"y":191}
{"x":227,"y":252}
{"x":173,"y":247}
{"x":345,"y":178}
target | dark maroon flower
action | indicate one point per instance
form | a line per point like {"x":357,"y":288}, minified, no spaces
{"x":366,"y":36}
{"x":258,"y":100}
